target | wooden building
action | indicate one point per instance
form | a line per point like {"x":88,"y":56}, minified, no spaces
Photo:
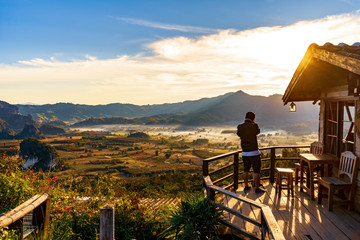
{"x":329,"y":75}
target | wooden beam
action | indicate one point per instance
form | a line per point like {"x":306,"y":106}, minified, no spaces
{"x":21,"y":210}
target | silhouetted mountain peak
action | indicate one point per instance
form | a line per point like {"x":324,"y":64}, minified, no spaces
{"x":241,"y":92}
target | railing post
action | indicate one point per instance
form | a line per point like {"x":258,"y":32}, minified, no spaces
{"x":236,"y":171}
{"x":272,"y":164}
{"x":107,"y":223}
{"x":41,"y":217}
{"x":211,"y":194}
{"x":205,"y":168}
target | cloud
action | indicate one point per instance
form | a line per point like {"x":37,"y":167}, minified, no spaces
{"x":166,"y":26}
{"x":259,"y":61}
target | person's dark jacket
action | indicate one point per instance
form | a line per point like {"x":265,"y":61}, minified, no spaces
{"x":248,"y":132}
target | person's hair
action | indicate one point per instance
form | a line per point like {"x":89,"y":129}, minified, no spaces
{"x":250,"y":115}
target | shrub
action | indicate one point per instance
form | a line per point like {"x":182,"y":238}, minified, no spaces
{"x":194,"y":218}
{"x":134,"y":221}
{"x":14,"y":189}
{"x":13,"y":192}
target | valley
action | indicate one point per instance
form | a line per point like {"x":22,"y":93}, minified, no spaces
{"x":110,"y":150}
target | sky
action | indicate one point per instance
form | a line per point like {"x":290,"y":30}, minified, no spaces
{"x":160,"y":51}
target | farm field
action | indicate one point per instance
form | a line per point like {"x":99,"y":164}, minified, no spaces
{"x":110,"y":150}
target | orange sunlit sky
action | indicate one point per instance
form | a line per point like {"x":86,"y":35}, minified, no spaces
{"x":149,"y":55}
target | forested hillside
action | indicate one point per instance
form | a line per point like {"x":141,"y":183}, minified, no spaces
{"x":221,"y":110}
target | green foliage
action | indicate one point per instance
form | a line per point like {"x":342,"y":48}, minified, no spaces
{"x":194,"y":218}
{"x":139,"y":135}
{"x":75,"y":224}
{"x":76,"y":199}
{"x":134,"y":221}
{"x":171,"y":184}
{"x":33,"y":148}
{"x":6,"y":234}
{"x":293,"y":152}
{"x":14,"y":188}
{"x":13,"y":191}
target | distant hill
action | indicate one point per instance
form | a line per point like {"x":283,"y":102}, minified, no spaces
{"x":14,"y":120}
{"x":14,"y":125}
{"x":270,"y":111}
{"x":227,"y":109}
{"x":76,"y":112}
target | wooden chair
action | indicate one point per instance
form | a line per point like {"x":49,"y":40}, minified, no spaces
{"x":285,"y":173}
{"x":347,"y":167}
{"x":316,"y":148}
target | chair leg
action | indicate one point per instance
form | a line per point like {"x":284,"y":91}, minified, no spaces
{"x":307,"y":172}
{"x":351,"y":199}
{"x":288,"y":184}
{"x":320,"y":195}
{"x":331,"y":200}
{"x":292,"y":185}
{"x":277,"y":183}
{"x":296,"y":176}
{"x":280,"y":183}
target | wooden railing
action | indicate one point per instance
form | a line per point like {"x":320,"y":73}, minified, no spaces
{"x":235,"y":165}
{"x":268,"y":225}
{"x":39,"y":205}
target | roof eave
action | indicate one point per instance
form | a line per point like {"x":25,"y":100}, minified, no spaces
{"x":298,"y":73}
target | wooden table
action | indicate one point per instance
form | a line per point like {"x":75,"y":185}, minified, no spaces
{"x":313,"y":161}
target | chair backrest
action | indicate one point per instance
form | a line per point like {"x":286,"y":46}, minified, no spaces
{"x":317,"y":148}
{"x":348,"y":165}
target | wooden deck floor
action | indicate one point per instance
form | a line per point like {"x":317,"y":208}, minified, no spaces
{"x":298,"y":217}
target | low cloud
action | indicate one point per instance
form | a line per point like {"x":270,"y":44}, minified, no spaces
{"x":259,"y":61}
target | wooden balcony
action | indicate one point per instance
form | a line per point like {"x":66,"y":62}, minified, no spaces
{"x":297,"y":217}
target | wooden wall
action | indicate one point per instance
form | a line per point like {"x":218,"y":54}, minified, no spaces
{"x":321,"y":122}
{"x":357,"y":151}
{"x":340,"y":94}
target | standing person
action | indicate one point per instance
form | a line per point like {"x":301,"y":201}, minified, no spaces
{"x":248,"y":132}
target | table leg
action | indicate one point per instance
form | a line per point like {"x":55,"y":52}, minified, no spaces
{"x":301,"y":175}
{"x":311,"y":175}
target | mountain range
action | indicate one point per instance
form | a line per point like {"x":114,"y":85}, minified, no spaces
{"x":227,"y":109}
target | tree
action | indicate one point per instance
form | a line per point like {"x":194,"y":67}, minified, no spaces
{"x":46,"y":155}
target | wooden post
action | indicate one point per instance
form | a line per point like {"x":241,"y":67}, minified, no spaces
{"x":205,"y":168}
{"x":272,"y":164}
{"x":236,"y":171}
{"x":107,"y":223}
{"x":211,"y":194}
{"x":41,"y":217}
